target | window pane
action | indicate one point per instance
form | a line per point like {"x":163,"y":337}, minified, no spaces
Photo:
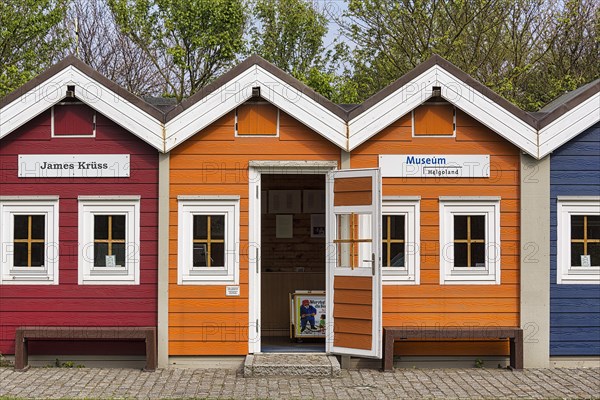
{"x":397,"y":255}
{"x":200,"y":255}
{"x":477,"y":227}
{"x":37,"y":254}
{"x":20,"y":257}
{"x":118,"y":227}
{"x":397,"y":227}
{"x":594,"y":252}
{"x":100,"y":253}
{"x":118,"y":249}
{"x":217,"y":255}
{"x":384,"y":229}
{"x":384,"y":254}
{"x":477,"y":255}
{"x":577,"y":226}
{"x":460,"y":227}
{"x":593,"y":227}
{"x":38,"y":227}
{"x":460,"y":254}
{"x":348,"y":242}
{"x":200,"y":227}
{"x":217,"y":227}
{"x":101,"y":227}
{"x":21,"y":226}
{"x":576,"y":252}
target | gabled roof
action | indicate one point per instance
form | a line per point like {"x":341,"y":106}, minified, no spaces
{"x":568,"y":116}
{"x":458,"y":88}
{"x":235,"y":87}
{"x":165,"y":125}
{"x":93,"y":89}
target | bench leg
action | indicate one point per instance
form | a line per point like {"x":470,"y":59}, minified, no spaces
{"x":21,"y":352}
{"x":151,"y":359}
{"x":388,"y":351}
{"x":516,"y":351}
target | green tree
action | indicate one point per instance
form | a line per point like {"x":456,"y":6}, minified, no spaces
{"x":29,"y":39}
{"x":509,"y":45}
{"x":190,"y":42}
{"x":289,"y":34}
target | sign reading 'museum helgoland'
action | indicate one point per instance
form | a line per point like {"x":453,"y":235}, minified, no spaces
{"x":434,"y":166}
{"x":74,"y":166}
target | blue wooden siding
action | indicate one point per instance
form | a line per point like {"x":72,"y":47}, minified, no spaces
{"x":574,"y":309}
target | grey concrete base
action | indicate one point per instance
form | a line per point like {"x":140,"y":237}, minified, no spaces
{"x":87,"y":361}
{"x":291,"y":364}
{"x":207,"y":362}
{"x":575,"y":362}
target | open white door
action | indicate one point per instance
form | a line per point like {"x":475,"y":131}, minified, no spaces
{"x":354,"y":262}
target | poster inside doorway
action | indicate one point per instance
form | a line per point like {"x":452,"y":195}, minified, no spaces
{"x":308,"y":312}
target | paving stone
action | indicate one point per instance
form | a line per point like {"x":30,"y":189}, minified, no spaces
{"x":368,"y":384}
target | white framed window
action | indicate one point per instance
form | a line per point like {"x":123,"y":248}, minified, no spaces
{"x":208,"y":240}
{"x":578,"y":240}
{"x":470,"y":240}
{"x":109,"y":240}
{"x":29,"y":239}
{"x":400,"y":240}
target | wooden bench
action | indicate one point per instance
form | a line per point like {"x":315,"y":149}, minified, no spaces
{"x":24,"y":334}
{"x":397,"y":333}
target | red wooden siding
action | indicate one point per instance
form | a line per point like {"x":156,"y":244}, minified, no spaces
{"x":73,"y":119}
{"x":70,"y":304}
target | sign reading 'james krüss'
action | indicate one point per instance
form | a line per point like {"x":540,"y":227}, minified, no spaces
{"x":74,"y":166}
{"x":434,"y":166}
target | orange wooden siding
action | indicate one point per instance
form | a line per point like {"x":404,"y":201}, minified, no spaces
{"x":352,"y":311}
{"x":430,"y":303}
{"x":353,"y":191}
{"x":257,"y":119}
{"x":434,"y":119}
{"x":202,"y":320}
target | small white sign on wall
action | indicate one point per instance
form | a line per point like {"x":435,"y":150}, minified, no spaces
{"x":74,"y":166}
{"x":434,"y":166}
{"x":232,"y":290}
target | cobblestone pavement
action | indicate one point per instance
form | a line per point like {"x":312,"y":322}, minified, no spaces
{"x":358,"y":384}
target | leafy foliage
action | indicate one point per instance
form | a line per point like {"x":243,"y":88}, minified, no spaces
{"x":28,"y":39}
{"x":190,"y":41}
{"x":526,"y":50}
{"x":289,"y":34}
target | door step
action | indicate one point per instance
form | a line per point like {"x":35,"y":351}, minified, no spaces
{"x":291,"y":364}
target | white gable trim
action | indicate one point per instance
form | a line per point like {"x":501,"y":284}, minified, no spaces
{"x":463,"y":96}
{"x":569,"y":125}
{"x":102,"y":99}
{"x":235,"y":92}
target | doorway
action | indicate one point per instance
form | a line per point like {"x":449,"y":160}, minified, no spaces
{"x":292,"y":261}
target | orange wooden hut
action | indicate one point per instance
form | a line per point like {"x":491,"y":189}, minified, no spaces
{"x":403,"y":210}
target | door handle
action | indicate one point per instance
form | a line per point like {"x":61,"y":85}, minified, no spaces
{"x":372,"y":261}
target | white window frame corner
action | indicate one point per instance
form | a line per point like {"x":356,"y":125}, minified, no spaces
{"x":410,"y":208}
{"x":486,"y":206}
{"x":567,"y":206}
{"x":29,"y":205}
{"x":88,"y":207}
{"x":187,"y":207}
